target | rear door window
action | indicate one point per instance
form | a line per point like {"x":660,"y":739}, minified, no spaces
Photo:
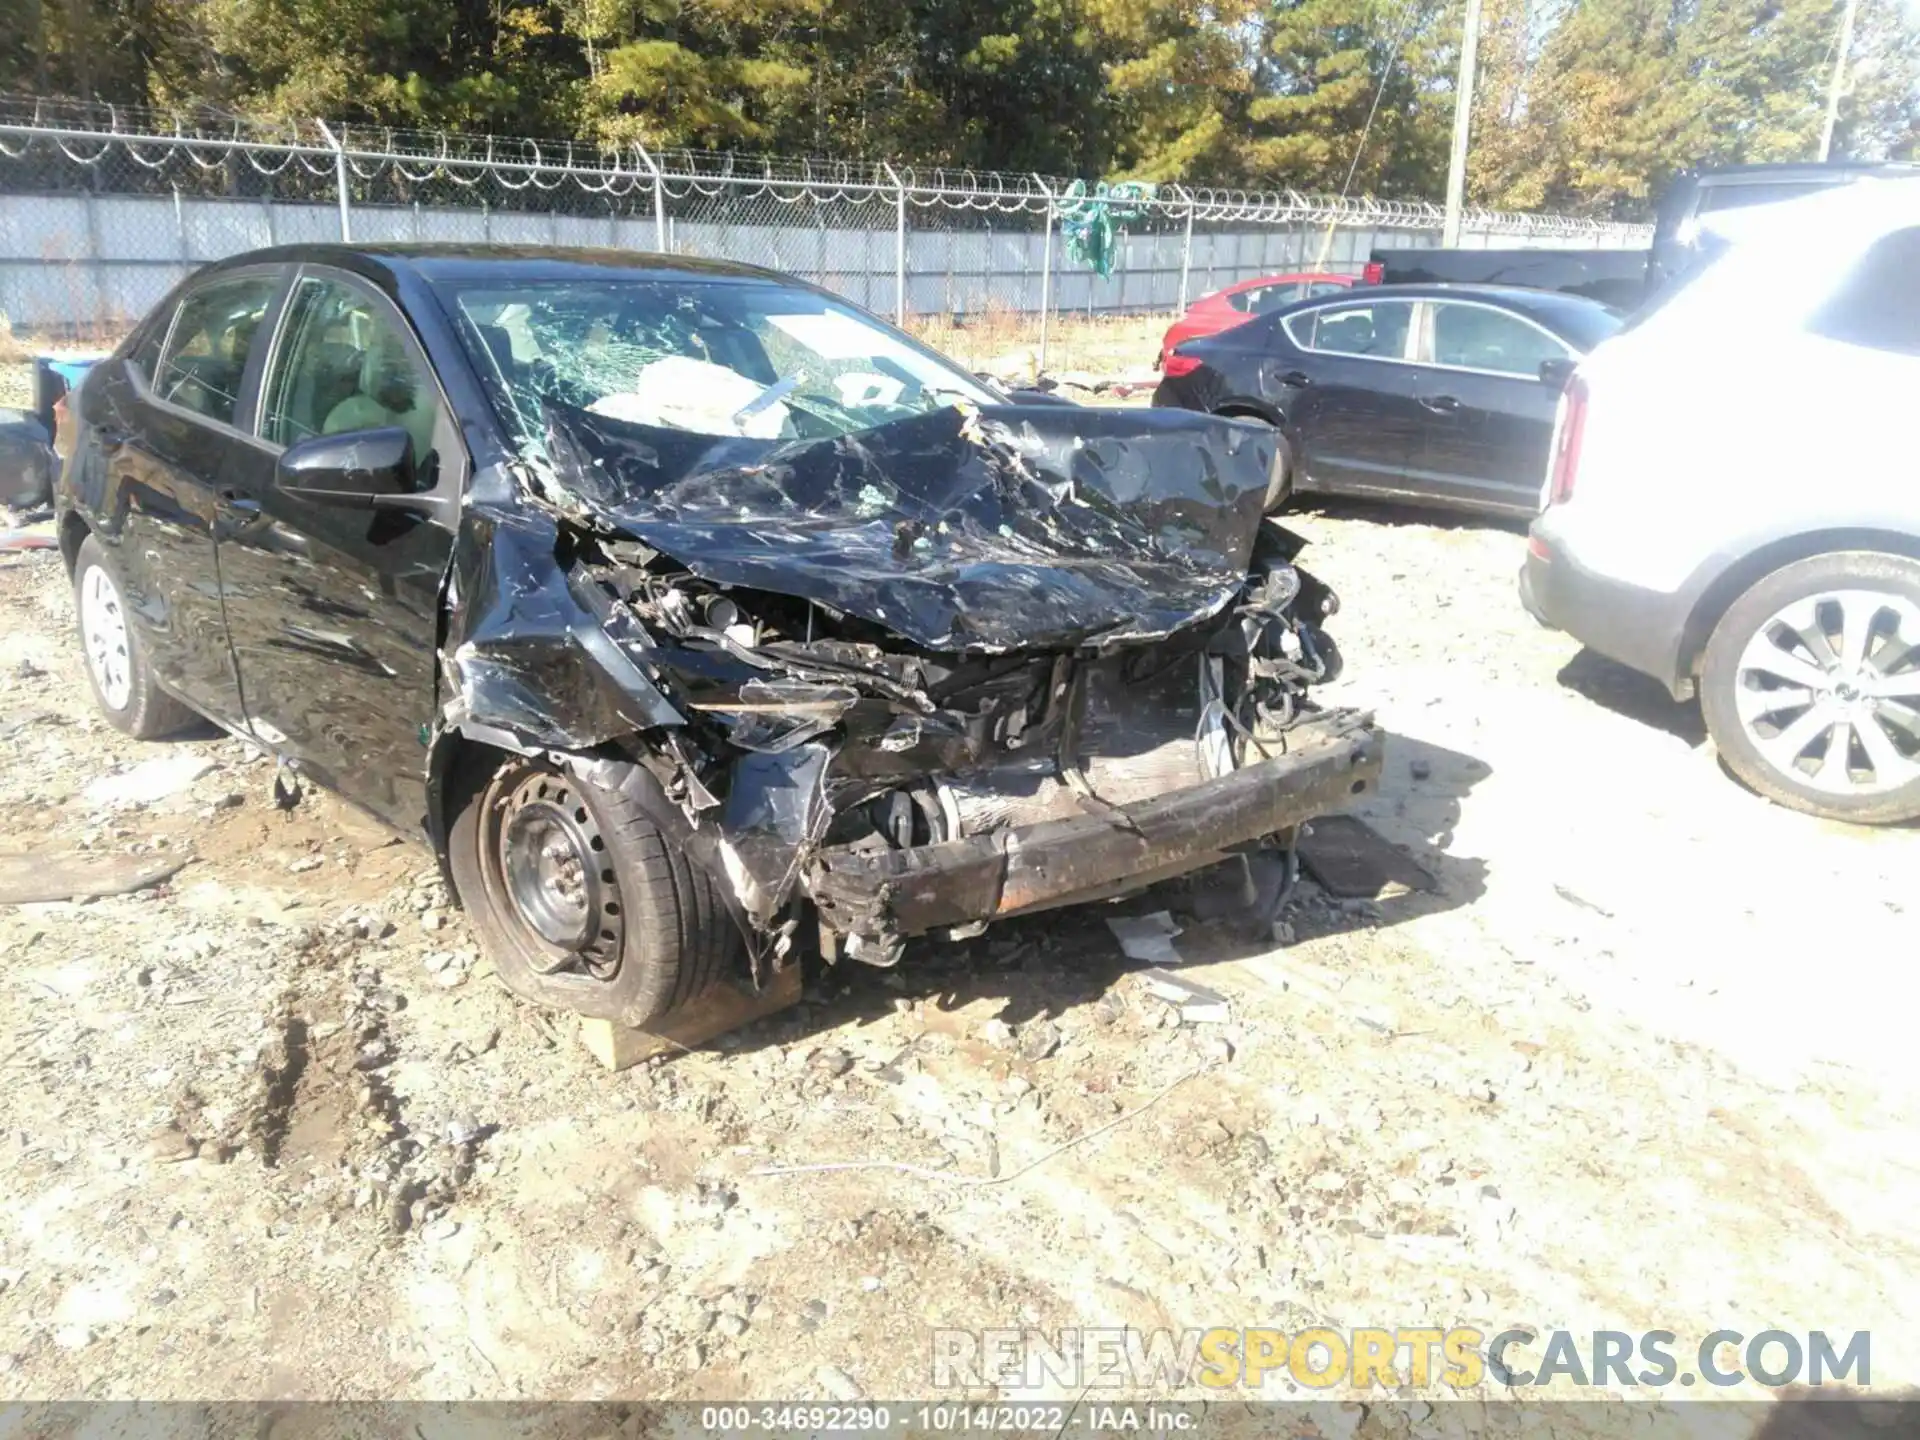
{"x":1374,"y":327}
{"x":1878,"y":305}
{"x":1763,"y":192}
{"x":212,"y":339}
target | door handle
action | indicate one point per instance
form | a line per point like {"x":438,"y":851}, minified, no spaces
{"x":1441,"y":403}
{"x":239,"y":500}
{"x":1296,"y":379}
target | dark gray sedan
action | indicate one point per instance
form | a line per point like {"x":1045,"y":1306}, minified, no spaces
{"x":1429,"y":394}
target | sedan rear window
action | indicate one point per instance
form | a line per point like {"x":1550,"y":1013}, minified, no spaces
{"x":768,"y":361}
{"x":212,"y":337}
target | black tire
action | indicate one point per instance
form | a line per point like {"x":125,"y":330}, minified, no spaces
{"x":1893,"y":579}
{"x":146,"y":712}
{"x":658,"y":933}
{"x":1280,"y":477}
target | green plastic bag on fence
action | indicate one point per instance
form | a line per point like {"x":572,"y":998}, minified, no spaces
{"x":1091,"y":222}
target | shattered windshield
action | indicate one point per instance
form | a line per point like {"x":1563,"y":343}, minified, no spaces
{"x":724,"y":358}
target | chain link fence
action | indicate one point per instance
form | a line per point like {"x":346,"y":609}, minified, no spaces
{"x":103,"y":209}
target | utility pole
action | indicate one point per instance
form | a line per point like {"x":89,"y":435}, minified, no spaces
{"x":1463,"y":122}
{"x":1839,"y":78}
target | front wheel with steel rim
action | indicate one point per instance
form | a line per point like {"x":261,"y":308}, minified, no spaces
{"x":123,"y":685}
{"x":583,"y":900}
{"x":1811,"y":686}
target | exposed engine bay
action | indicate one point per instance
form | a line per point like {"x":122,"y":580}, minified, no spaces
{"x":866,"y":670}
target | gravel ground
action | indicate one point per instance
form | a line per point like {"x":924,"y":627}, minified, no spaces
{"x":1638,"y":1063}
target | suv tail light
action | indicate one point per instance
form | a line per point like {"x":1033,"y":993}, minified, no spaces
{"x":1178,"y":364}
{"x":1566,"y":449}
{"x":1373,"y":272}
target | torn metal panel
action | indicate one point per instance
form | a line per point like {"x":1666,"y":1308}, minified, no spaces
{"x":524,"y":653}
{"x":1011,"y":872}
{"x":776,"y":811}
{"x":1001,"y":529}
{"x":925,"y":675}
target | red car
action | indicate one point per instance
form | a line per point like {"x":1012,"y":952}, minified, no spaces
{"x":1235,"y":305}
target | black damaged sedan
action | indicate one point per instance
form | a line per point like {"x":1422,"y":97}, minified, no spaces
{"x":681,"y":606}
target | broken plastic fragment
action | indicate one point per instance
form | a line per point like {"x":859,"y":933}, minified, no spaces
{"x":1146,"y":937}
{"x":775,"y":715}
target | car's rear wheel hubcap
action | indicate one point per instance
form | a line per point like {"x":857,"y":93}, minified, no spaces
{"x":1828,"y":691}
{"x":103,"y":626}
{"x":557,"y":876}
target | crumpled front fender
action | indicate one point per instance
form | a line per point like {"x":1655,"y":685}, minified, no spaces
{"x":528,"y":662}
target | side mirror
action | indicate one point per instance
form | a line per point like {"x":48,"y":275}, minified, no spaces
{"x":356,"y":470}
{"x":1556,"y":373}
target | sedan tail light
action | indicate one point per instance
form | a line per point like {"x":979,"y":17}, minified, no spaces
{"x":1566,"y":449}
{"x":1178,"y":364}
{"x":62,"y":427}
{"x":1373,"y":272}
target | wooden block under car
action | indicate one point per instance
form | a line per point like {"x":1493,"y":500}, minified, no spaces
{"x":1351,"y":861}
{"x":723,"y":1008}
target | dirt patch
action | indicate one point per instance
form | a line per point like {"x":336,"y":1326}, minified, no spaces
{"x":1612,"y":1072}
{"x":1006,"y":343}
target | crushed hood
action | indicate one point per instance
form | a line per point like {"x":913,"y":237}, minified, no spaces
{"x":984,"y":530}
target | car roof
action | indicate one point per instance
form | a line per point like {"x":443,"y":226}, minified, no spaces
{"x":1573,"y":318}
{"x":1873,"y":206}
{"x":1541,"y":304}
{"x":435,"y":262}
{"x":1284,"y":277}
{"x":1837,"y":171}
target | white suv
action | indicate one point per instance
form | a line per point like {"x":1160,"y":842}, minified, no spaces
{"x":1733,"y":503}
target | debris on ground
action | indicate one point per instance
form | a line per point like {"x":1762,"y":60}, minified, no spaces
{"x":1196,"y":1003}
{"x":148,"y":782}
{"x":79,"y":875}
{"x":33,"y":537}
{"x":1147,"y":938}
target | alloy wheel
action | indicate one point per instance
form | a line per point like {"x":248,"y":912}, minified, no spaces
{"x":1828,"y":691}
{"x":103,"y":625}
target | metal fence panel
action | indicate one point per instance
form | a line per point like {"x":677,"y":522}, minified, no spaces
{"x":102,"y":211}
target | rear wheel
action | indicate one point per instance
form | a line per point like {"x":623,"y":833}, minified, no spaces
{"x":123,"y":685}
{"x":1280,"y":473}
{"x":1811,"y":687}
{"x":582,"y":901}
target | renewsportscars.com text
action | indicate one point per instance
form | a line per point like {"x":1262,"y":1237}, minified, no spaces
{"x":1458,"y":1358}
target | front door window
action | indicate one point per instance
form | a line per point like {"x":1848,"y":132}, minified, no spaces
{"x":1474,"y":337}
{"x":345,"y":365}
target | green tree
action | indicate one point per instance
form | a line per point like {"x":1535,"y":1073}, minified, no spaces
{"x":1626,"y":94}
{"x":1589,"y":105}
{"x":1324,"y":67}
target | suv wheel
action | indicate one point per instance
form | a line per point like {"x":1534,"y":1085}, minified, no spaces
{"x":1811,"y":687}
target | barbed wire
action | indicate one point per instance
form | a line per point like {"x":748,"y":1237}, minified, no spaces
{"x":216,"y":152}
